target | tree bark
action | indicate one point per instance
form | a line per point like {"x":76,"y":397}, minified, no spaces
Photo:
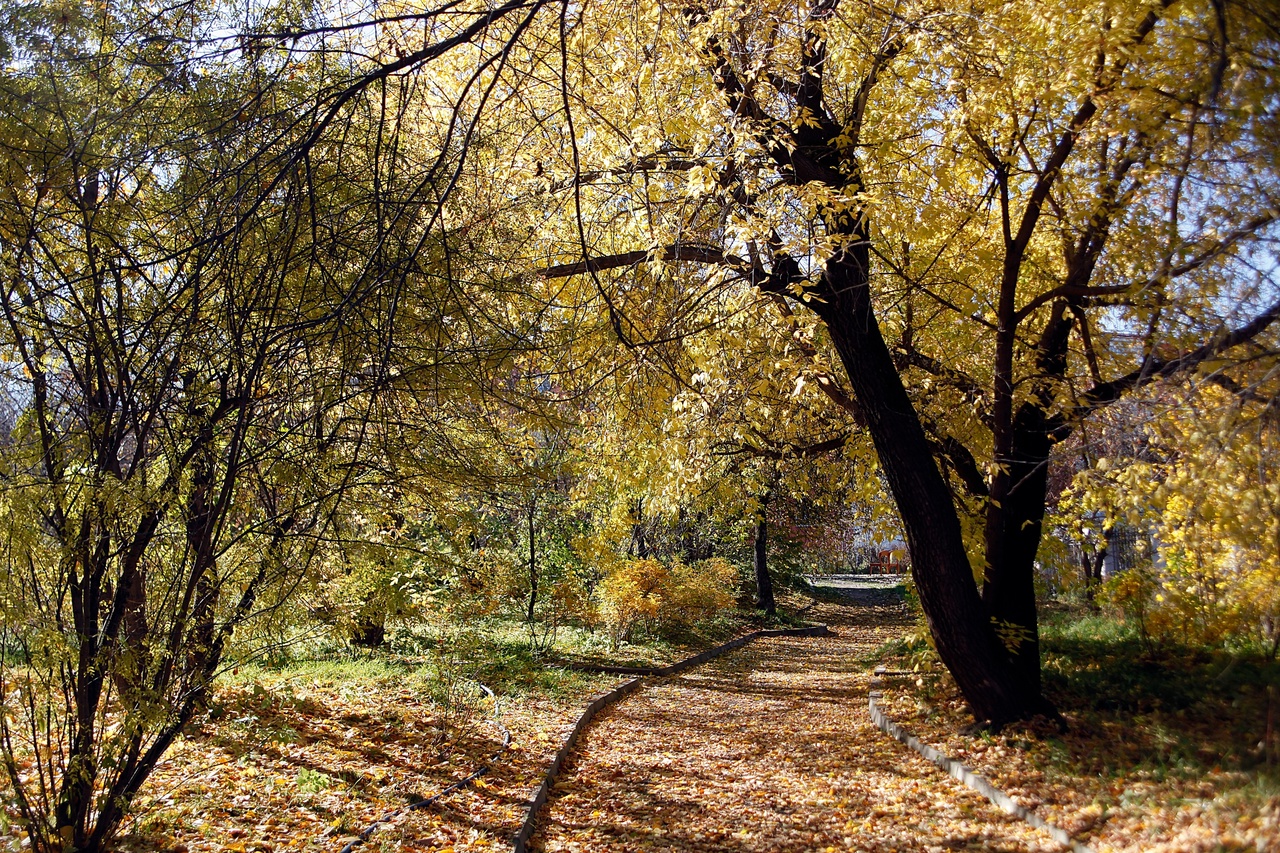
{"x":764,"y":581}
{"x":639,"y":545}
{"x":955,"y":614}
{"x":1015,"y":510}
{"x":1092,"y":565}
{"x":1012,"y":540}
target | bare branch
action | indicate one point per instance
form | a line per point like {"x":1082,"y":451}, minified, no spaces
{"x":1215,"y":250}
{"x":1106,"y":393}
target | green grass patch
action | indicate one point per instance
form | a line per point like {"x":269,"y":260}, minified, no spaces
{"x":1183,"y":710}
{"x":1137,"y":710}
{"x":501,"y":652}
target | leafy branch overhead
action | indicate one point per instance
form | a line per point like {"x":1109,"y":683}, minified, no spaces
{"x":344,"y":313}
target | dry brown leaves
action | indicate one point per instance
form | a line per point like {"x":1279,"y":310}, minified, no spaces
{"x":309,"y":766}
{"x":1139,"y":811}
{"x":769,"y":748}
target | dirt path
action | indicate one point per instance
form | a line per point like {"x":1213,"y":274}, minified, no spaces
{"x":769,"y":749}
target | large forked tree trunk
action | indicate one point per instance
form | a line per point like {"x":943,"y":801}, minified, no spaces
{"x":819,"y":151}
{"x":1012,"y":539}
{"x":957,"y":619}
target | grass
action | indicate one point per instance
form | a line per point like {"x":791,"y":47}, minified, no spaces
{"x":498,"y":652}
{"x":1163,"y":739}
{"x":440,"y":665}
{"x":1188,"y":711}
{"x":1195,"y":706}
{"x":322,"y":737}
{"x":443,"y":664}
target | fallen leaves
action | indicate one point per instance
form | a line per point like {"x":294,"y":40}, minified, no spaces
{"x":769,"y":748}
{"x":305,"y":766}
{"x":1095,"y":781}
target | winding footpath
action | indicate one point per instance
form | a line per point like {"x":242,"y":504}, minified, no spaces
{"x":769,"y":748}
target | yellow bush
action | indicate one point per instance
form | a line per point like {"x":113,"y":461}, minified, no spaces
{"x":647,"y":591}
{"x":1132,"y":593}
{"x":1213,"y":504}
{"x":697,"y":590}
{"x":630,"y":592}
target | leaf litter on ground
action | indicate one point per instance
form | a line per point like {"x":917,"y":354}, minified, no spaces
{"x":305,"y":764}
{"x":1134,"y":778}
{"x":768,"y":749}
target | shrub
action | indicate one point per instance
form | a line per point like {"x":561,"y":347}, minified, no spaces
{"x":648,"y":592}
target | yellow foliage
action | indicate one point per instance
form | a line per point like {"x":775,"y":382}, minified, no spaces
{"x":362,"y":595}
{"x":648,"y":591}
{"x":1214,"y":510}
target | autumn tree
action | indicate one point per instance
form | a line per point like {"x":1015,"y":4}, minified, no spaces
{"x":228,"y":302}
{"x":753,"y":423}
{"x":1004,"y":219}
{"x":1001,"y":218}
{"x":1204,"y":489}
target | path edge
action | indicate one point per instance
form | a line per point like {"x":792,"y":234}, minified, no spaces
{"x":962,"y":773}
{"x":520,"y":843}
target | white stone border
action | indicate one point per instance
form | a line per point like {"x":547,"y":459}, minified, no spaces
{"x":967,"y":776}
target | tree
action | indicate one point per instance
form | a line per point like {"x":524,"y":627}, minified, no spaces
{"x":1205,"y":490}
{"x":143,"y":521}
{"x":1003,"y":223}
{"x":732,"y":420}
{"x":223,"y":262}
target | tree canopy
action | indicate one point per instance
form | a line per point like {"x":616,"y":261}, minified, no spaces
{"x":283,"y":275}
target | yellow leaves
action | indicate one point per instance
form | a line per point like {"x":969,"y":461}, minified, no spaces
{"x":1214,"y":515}
{"x":647,"y":589}
{"x":700,"y":180}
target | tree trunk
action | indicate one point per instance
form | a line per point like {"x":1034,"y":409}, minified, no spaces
{"x":533,"y":565}
{"x":956,"y":617}
{"x":764,"y":582}
{"x":368,"y":633}
{"x":639,"y":545}
{"x":1016,"y":506}
{"x":695,"y":548}
{"x":1012,"y":540}
{"x":1092,"y":566}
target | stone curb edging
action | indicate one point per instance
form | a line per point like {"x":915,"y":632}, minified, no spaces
{"x":973,"y":780}
{"x":521,"y":840}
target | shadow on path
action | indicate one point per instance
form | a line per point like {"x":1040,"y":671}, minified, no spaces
{"x":770,"y":749}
